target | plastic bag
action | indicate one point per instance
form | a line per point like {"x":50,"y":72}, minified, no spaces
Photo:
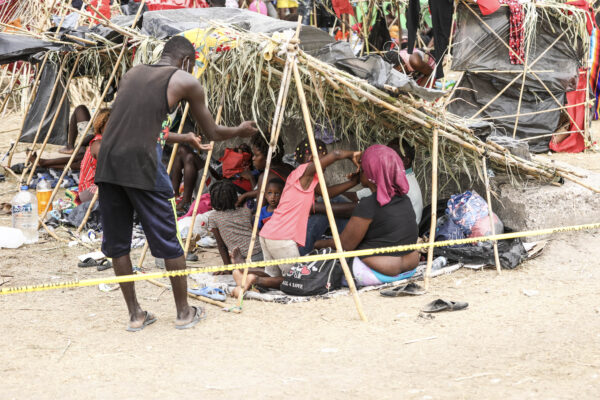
{"x":511,"y":252}
{"x":466,"y":209}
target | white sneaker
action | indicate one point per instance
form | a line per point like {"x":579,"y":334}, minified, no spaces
{"x":207,"y":241}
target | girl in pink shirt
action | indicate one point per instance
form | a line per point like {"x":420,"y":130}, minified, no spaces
{"x":281,"y":235}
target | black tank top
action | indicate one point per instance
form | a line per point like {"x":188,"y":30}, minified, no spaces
{"x":131,"y":144}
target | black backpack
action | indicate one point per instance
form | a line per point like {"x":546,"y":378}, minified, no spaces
{"x":313,"y":278}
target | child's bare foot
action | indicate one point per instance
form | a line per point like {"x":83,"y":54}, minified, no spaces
{"x":251,"y":279}
{"x":66,"y":150}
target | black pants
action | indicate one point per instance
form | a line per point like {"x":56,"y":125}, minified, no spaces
{"x":441,"y":18}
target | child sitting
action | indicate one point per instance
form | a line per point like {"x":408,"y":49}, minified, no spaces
{"x":272,"y":196}
{"x":231,"y":226}
{"x":281,"y":235}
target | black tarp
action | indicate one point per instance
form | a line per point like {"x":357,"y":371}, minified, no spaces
{"x":166,"y":23}
{"x":15,"y":47}
{"x":475,"y":49}
{"x":34,"y":116}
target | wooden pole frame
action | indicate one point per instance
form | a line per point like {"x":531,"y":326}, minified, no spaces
{"x":188,"y":239}
{"x":275,"y":129}
{"x":324,"y":194}
{"x":9,"y":92}
{"x":30,"y":101}
{"x":434,"y":193}
{"x":97,"y":104}
{"x":54,"y":119}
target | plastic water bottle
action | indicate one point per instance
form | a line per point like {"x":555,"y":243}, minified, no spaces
{"x":24,"y":214}
{"x":439,"y":263}
{"x":43,"y":194}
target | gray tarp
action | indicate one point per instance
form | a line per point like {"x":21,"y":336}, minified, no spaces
{"x":166,"y":23}
{"x":475,"y":48}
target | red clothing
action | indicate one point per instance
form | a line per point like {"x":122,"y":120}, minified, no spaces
{"x":103,"y":6}
{"x":575,"y":143}
{"x":342,"y":7}
{"x":290,"y":218}
{"x":88,"y":167}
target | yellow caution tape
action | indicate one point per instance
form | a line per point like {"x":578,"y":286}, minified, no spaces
{"x":317,"y":257}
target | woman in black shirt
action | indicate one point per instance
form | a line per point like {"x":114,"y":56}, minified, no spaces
{"x":386,"y":218}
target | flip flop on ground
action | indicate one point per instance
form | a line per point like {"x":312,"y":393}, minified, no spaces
{"x":444,"y":305}
{"x":210,"y":292}
{"x":148,"y":319}
{"x":104,"y":264}
{"x":410,"y":289}
{"x":199,"y":315}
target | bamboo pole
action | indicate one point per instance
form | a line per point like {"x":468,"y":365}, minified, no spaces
{"x":486,"y":180}
{"x":31,"y":97}
{"x":521,"y":74}
{"x":586,"y":133}
{"x":188,"y":239}
{"x":47,"y":12}
{"x":97,"y":105}
{"x":88,"y":212}
{"x":46,"y":110}
{"x":193,"y":296}
{"x":434,"y":189}
{"x":491,"y":71}
{"x":277,"y":122}
{"x":324,"y":194}
{"x":537,"y":112}
{"x":10,"y":89}
{"x":522,"y":88}
{"x":56,"y":114}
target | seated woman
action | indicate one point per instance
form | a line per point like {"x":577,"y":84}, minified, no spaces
{"x":61,"y":162}
{"x":231,"y":226}
{"x":286,"y":229}
{"x":386,"y":218}
{"x":278,"y":169}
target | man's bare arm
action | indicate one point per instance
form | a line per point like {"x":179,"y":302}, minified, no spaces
{"x":184,"y":86}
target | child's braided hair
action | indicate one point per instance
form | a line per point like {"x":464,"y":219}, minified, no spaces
{"x":223,"y":195}
{"x":303,"y":149}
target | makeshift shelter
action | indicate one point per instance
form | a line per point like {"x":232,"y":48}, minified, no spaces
{"x":362,"y":98}
{"x":555,"y":89}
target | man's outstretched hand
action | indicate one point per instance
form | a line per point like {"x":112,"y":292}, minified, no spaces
{"x":247,"y":129}
{"x":196,"y":142}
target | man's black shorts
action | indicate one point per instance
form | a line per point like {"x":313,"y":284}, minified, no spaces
{"x":156,"y":211}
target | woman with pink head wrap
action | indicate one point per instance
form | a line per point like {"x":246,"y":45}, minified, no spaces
{"x":384,"y":219}
{"x":383,"y":167}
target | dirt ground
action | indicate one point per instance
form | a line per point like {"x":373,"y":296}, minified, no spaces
{"x":506,"y":345}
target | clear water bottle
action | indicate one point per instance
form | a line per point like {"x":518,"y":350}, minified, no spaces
{"x":43,"y":194}
{"x":24,"y":214}
{"x":439,"y":263}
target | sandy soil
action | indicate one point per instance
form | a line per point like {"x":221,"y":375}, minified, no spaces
{"x":506,"y":345}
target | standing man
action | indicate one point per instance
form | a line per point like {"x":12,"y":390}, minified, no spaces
{"x":130,"y":175}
